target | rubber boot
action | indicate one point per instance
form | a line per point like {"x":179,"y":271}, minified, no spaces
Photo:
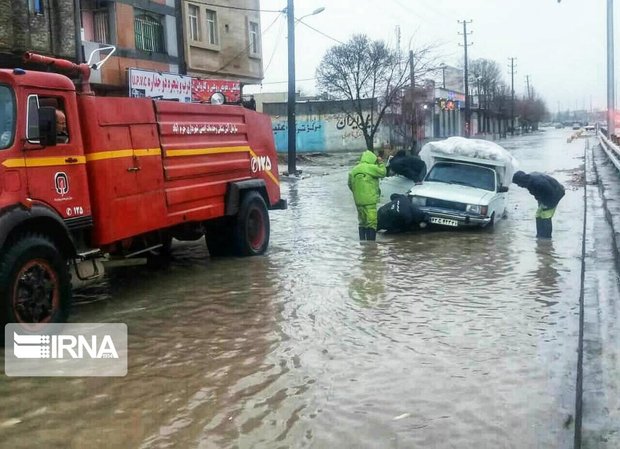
{"x":371,"y":234}
{"x":546,"y":228}
{"x":362,"y":232}
{"x":539,"y":227}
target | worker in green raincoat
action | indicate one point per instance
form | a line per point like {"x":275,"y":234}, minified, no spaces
{"x":364,"y":183}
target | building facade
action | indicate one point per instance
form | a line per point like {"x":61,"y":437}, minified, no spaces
{"x":43,"y":26}
{"x":223,"y":41}
{"x":143,"y":32}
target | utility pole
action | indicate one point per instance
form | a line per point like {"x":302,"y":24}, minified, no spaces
{"x":527,"y":81}
{"x":414,"y":133}
{"x":467,"y":102}
{"x":512,"y":96}
{"x":292,"y":126}
{"x":611,"y":107}
{"x":77,"y":21}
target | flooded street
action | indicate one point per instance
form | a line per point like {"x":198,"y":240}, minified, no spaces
{"x":432,"y":339}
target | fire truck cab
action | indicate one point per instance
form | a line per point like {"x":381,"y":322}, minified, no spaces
{"x":84,"y":176}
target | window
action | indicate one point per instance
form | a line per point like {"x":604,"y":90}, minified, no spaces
{"x":193,"y":13}
{"x":462,"y":174}
{"x":7,"y":117}
{"x":101,"y":26}
{"x":254,"y":38}
{"x":149,"y":33}
{"x":212,"y":27}
{"x":32,"y":127}
{"x":36,"y":6}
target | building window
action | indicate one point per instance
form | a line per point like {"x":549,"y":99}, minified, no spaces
{"x":254,"y":38}
{"x":212,"y":27}
{"x":149,"y":33}
{"x":101,"y":25}
{"x":36,"y":6}
{"x":193,"y":13}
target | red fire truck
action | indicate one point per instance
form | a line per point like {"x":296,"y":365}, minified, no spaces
{"x":122,"y":179}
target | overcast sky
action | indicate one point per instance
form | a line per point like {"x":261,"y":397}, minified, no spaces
{"x":561,"y":46}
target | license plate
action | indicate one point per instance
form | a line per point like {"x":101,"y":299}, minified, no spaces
{"x":444,"y":221}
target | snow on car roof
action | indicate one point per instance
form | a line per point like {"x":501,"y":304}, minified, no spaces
{"x":468,"y":148}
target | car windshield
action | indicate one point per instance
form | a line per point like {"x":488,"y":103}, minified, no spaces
{"x":7,"y":117}
{"x":462,"y":174}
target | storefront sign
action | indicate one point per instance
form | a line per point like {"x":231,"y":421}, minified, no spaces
{"x":203,"y":89}
{"x":165,"y":86}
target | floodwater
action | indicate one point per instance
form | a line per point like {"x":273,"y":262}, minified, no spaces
{"x":431,"y":339}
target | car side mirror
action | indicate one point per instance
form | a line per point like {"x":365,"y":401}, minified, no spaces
{"x":503,"y":189}
{"x":47,"y":126}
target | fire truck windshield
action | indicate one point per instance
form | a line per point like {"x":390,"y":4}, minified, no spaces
{"x":7,"y":117}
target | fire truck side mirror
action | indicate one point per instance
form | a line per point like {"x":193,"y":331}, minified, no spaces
{"x":47,"y":126}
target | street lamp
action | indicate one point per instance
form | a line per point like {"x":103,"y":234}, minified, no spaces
{"x":292,"y":127}
{"x":611,"y":100}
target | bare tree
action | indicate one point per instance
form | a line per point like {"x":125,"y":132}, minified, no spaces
{"x":363,"y":69}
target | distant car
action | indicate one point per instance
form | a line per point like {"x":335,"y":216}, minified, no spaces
{"x":589,"y":131}
{"x":576,"y":125}
{"x":559,"y":125}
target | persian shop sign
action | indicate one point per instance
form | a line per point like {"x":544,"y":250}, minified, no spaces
{"x":167,"y":86}
{"x":203,"y":89}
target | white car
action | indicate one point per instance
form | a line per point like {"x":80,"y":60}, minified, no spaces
{"x":466,"y":184}
{"x":456,"y":193}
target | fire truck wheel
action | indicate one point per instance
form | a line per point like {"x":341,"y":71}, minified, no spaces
{"x":35,"y":285}
{"x":252,"y":226}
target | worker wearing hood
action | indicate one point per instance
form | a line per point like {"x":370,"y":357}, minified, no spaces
{"x":364,"y":183}
{"x":548,"y":192}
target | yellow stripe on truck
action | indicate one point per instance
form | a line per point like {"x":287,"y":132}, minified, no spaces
{"x":114,"y":154}
{"x":43,"y":161}
{"x":204,"y":151}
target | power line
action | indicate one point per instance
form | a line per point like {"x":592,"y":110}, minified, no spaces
{"x":282,"y":82}
{"x":245,"y":50}
{"x":320,"y":32}
{"x":275,"y":47}
{"x":236,"y":7}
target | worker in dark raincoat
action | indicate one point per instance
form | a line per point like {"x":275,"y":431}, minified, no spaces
{"x":548,"y":192}
{"x":411,"y":167}
{"x":364,"y":183}
{"x":399,"y":215}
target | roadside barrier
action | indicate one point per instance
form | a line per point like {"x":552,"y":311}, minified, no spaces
{"x":611,"y":149}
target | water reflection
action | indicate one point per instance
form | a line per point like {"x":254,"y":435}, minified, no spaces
{"x":546,"y":273}
{"x":368,"y":286}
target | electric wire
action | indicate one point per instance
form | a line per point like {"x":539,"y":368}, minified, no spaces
{"x":320,"y":32}
{"x":239,"y":8}
{"x":275,"y":47}
{"x":247,"y":49}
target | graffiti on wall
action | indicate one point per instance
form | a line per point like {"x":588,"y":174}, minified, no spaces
{"x":314,"y":133}
{"x":310,"y":135}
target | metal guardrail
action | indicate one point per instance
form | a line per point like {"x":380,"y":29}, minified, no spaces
{"x":611,"y":149}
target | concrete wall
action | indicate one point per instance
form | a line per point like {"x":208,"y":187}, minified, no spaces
{"x":321,"y":127}
{"x":229,"y":58}
{"x":50,"y":33}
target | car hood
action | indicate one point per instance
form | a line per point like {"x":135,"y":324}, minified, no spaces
{"x":452,"y":192}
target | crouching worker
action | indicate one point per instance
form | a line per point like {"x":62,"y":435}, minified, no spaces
{"x":548,"y":192}
{"x":364,"y":183}
{"x":399,"y":215}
